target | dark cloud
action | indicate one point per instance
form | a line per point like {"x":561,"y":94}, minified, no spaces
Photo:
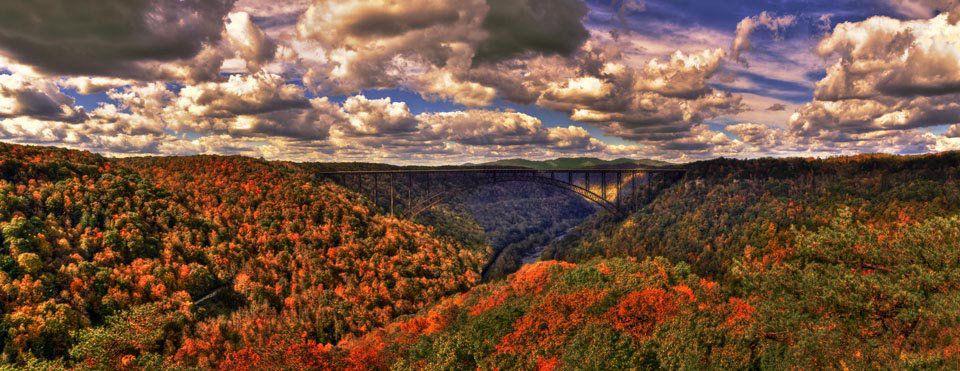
{"x":777,"y":107}
{"x":385,"y":23}
{"x":107,"y":37}
{"x":38,"y":99}
{"x":541,"y":26}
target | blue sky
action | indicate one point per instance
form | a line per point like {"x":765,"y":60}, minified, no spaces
{"x":434,"y":82}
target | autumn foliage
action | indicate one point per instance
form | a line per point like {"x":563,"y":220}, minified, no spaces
{"x":234,"y":263}
{"x":236,"y":258}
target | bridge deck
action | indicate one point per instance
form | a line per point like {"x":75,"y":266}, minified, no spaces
{"x":507,"y":170}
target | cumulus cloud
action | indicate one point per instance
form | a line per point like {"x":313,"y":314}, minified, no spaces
{"x":658,"y":100}
{"x":516,"y":27}
{"x":885,"y":56}
{"x":953,"y":131}
{"x":865,"y":115}
{"x":683,"y":75}
{"x":746,"y":27}
{"x":374,"y":43}
{"x":487,"y":128}
{"x":107,"y":38}
{"x":248,"y":41}
{"x":890,"y":75}
{"x":484,"y":127}
{"x":308,"y":123}
{"x":37,"y":98}
{"x":378,"y":116}
{"x":241,"y":95}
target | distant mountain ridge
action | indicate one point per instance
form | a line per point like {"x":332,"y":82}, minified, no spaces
{"x":575,"y":162}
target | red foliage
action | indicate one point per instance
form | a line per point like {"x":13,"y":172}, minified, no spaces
{"x":547,"y":364}
{"x":533,"y":277}
{"x":639,"y":312}
{"x":740,"y":313}
{"x":547,"y":326}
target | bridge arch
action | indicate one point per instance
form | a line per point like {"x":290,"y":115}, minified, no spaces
{"x":439,"y":197}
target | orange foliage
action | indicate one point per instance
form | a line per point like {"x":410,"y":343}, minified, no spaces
{"x":639,"y":312}
{"x":740,"y":314}
{"x":491,"y":301}
{"x":533,"y":277}
{"x":547,"y":364}
{"x":547,"y":326}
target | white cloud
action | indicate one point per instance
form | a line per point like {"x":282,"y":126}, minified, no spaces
{"x":248,"y":41}
{"x":240,"y":95}
{"x":378,"y":116}
{"x":746,"y":27}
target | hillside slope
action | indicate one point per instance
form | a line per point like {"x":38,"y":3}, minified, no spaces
{"x":192,"y":261}
{"x":847,"y":296}
{"x":722,"y":207}
{"x":843,"y":263}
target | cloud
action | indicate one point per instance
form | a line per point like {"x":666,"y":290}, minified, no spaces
{"x":503,"y":128}
{"x":683,"y":75}
{"x":248,"y":41}
{"x":885,"y":56}
{"x":37,"y":98}
{"x":452,"y":82}
{"x":866,"y":115}
{"x":658,"y":100}
{"x":92,"y":85}
{"x":309,"y":123}
{"x":927,"y":8}
{"x":746,"y":27}
{"x":484,"y":127}
{"x":953,"y":131}
{"x":107,"y":38}
{"x":378,"y":116}
{"x":241,"y":95}
{"x":700,"y":138}
{"x":516,"y":27}
{"x":776,"y":107}
{"x":377,"y":43}
{"x":889,"y":75}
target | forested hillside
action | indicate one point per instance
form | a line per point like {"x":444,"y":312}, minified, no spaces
{"x":849,"y":263}
{"x":194,"y":261}
{"x":724,"y":207}
{"x":238,"y":263}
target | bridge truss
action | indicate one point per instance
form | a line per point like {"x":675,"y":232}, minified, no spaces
{"x":408,"y":193}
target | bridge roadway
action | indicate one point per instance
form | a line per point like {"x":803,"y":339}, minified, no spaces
{"x":614,"y":190}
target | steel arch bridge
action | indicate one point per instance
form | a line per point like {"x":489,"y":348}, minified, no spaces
{"x":408,"y":193}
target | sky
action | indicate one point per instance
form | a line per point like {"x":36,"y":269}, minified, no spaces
{"x":455,"y":81}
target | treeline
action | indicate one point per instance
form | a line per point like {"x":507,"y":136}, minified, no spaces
{"x":190,"y":262}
